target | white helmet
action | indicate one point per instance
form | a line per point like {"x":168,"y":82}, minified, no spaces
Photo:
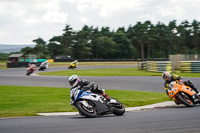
{"x":166,"y":75}
{"x":73,"y":80}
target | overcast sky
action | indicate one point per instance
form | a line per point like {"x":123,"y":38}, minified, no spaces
{"x":22,"y":21}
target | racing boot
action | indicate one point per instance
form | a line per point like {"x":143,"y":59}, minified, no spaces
{"x":196,"y":90}
{"x":190,"y":84}
{"x":106,"y":96}
{"x":196,"y":98}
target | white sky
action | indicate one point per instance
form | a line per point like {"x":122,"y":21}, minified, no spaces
{"x":22,"y":21}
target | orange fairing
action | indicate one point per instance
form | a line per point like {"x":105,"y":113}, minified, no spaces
{"x":175,"y":88}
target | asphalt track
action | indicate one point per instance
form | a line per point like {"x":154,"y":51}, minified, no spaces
{"x":164,"y":120}
{"x":177,"y":119}
{"x":140,"y":83}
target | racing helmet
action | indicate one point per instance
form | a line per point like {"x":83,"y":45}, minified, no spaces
{"x":166,"y":75}
{"x":73,"y":80}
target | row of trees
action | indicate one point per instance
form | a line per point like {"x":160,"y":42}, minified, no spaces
{"x":143,"y":40}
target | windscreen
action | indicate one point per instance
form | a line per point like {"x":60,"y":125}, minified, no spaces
{"x":171,"y":86}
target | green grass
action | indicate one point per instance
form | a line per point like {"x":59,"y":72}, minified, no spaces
{"x":114,"y":63}
{"x":3,"y":64}
{"x":27,"y":101}
{"x":132,"y":71}
{"x":187,"y":74}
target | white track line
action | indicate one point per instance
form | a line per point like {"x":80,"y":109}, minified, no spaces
{"x":163,"y":104}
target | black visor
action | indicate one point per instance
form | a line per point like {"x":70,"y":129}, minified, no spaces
{"x":72,"y":82}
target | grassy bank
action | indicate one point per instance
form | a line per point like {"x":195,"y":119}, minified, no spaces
{"x":133,"y":71}
{"x":3,"y":64}
{"x":103,"y":72}
{"x":27,"y":101}
{"x":66,"y":64}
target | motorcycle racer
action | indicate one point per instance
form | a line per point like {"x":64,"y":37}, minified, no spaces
{"x":32,"y":66}
{"x":85,"y":85}
{"x":45,"y":64}
{"x":168,"y":78}
{"x":73,"y":64}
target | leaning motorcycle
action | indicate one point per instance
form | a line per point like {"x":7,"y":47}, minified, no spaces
{"x":183,"y":94}
{"x":30,"y":70}
{"x":72,"y":66}
{"x":42,"y":67}
{"x":90,"y":104}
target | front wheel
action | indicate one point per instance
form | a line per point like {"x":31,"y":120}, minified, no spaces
{"x":70,"y":67}
{"x":88,"y":112}
{"x":185,"y":99}
{"x":41,"y":69}
{"x":28,"y":73}
{"x":118,"y":108}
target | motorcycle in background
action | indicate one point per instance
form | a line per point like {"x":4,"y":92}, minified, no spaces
{"x":43,"y":66}
{"x":183,"y":94}
{"x":91,"y":104}
{"x":72,"y":66}
{"x":31,"y":69}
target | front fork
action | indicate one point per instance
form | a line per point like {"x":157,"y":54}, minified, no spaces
{"x":194,"y":97}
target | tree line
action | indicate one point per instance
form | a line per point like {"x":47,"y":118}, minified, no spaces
{"x":140,"y":41}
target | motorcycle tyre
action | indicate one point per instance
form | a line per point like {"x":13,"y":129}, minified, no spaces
{"x":71,"y":67}
{"x":28,"y":73}
{"x":118,"y":111}
{"x":84,"y":112}
{"x":42,"y":68}
{"x":181,"y":99}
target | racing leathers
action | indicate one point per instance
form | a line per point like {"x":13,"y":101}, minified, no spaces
{"x":179,"y":79}
{"x":171,"y":79}
{"x":32,"y":67}
{"x":87,"y":85}
{"x":45,"y":64}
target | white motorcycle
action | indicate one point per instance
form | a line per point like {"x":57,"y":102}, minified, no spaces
{"x":90,"y":104}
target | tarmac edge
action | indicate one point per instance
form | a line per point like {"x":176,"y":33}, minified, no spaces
{"x":151,"y":106}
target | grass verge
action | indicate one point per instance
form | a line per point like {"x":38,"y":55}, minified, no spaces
{"x":3,"y":64}
{"x":27,"y":101}
{"x":66,"y":64}
{"x":114,"y":63}
{"x":132,"y":71}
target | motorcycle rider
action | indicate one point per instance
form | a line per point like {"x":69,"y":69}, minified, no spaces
{"x":75,"y":63}
{"x":32,"y":66}
{"x":45,"y":64}
{"x":167,"y":77}
{"x":84,"y":85}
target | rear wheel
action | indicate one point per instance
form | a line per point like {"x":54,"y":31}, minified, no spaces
{"x":86,"y":111}
{"x":41,"y":69}
{"x":186,"y":100}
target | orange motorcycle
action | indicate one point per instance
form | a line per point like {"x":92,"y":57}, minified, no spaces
{"x":183,"y":94}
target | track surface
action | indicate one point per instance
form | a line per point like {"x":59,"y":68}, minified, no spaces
{"x":163,"y":120}
{"x":140,"y":83}
{"x":166,"y":120}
